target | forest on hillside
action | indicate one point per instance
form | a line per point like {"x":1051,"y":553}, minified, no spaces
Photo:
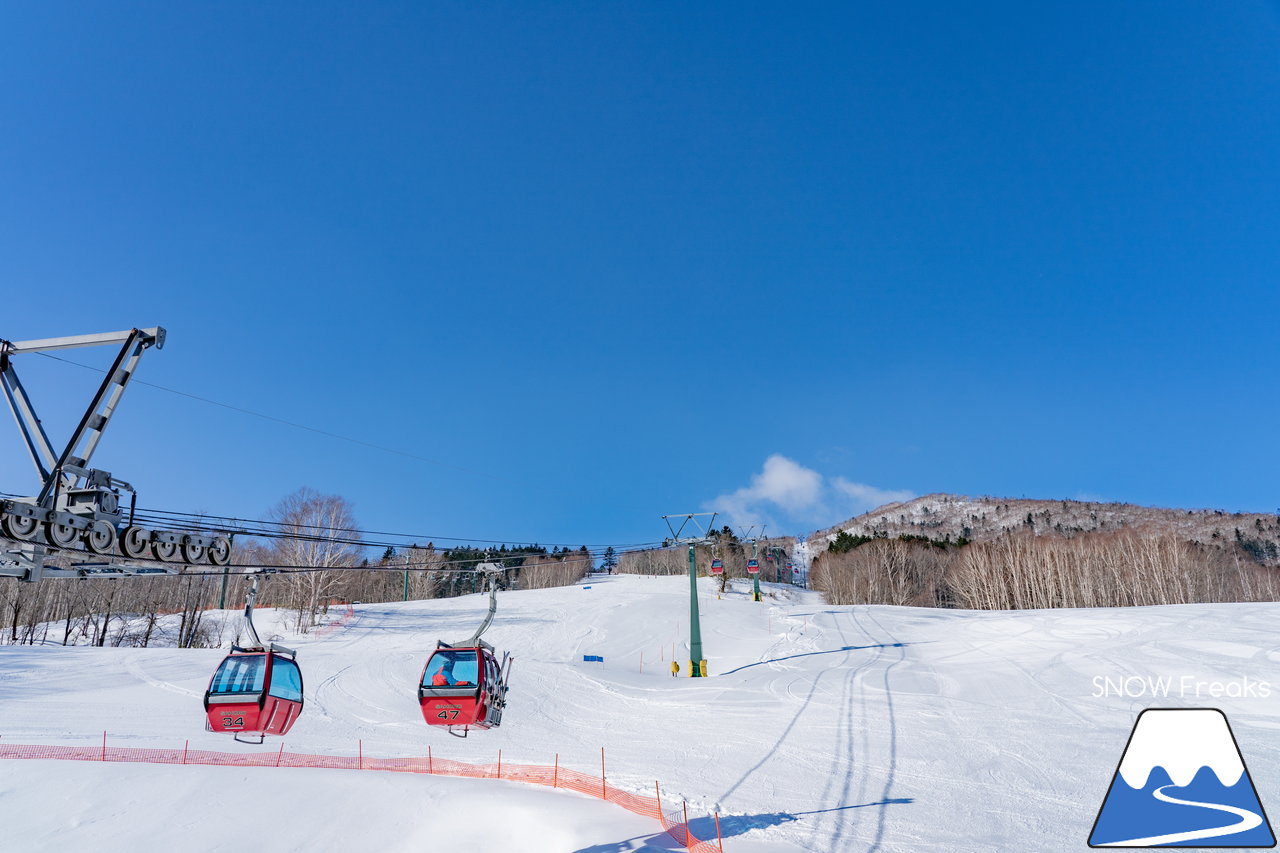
{"x":1023,"y":570}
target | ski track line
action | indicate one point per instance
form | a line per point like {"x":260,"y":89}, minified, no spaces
{"x":135,"y":669}
{"x":891,"y":776}
{"x":843,"y":765}
{"x":361,"y":695}
{"x":322,"y":687}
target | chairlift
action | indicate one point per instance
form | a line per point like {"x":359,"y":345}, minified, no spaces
{"x":256,"y":690}
{"x":463,"y":685}
{"x":753,"y":567}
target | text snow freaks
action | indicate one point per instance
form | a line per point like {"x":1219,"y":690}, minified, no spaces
{"x":1186,"y":686}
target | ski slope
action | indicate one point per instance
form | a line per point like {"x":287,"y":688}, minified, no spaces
{"x":821,"y":728}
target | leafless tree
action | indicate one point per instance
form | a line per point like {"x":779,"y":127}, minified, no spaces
{"x":319,"y":533}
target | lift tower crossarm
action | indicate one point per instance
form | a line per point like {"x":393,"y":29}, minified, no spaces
{"x":78,"y":509}
{"x":38,"y":445}
{"x":72,"y":464}
{"x":155,"y":335}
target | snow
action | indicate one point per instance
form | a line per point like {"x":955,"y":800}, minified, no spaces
{"x":822,"y":728}
{"x":1181,"y":742}
{"x":131,"y":807}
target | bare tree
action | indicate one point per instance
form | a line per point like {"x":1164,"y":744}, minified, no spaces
{"x":540,"y":571}
{"x":319,"y":533}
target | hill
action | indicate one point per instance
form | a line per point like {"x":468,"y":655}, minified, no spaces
{"x":983,"y":519}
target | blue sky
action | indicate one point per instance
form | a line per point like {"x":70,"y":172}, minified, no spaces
{"x":601,"y":262}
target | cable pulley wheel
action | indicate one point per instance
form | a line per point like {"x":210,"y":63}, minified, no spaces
{"x":165,"y":551}
{"x":101,"y":538}
{"x":134,"y":542}
{"x":22,"y":527}
{"x":60,"y":535}
{"x":193,"y":552}
{"x":220,"y":551}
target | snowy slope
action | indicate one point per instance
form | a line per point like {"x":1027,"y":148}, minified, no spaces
{"x":822,"y":728}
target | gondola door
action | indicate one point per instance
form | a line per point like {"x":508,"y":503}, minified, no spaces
{"x":451,"y":690}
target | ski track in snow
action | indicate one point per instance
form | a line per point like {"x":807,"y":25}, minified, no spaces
{"x":878,"y":729}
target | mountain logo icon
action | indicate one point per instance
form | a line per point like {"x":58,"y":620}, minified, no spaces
{"x":1182,"y":782}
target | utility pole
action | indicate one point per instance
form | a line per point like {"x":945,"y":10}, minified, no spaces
{"x":755,"y":577}
{"x":406,"y":577}
{"x":697,"y":663}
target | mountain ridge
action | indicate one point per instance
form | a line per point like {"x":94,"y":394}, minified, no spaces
{"x":944,"y":516}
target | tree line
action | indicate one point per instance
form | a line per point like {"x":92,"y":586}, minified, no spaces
{"x":315,"y":530}
{"x":1119,"y":568}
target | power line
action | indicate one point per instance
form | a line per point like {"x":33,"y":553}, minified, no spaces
{"x":196,"y":518}
{"x":277,"y":420}
{"x":242,"y":525}
{"x":275,"y":530}
{"x":467,"y":565}
{"x":461,"y":565}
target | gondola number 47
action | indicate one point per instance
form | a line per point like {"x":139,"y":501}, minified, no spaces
{"x":447,"y":715}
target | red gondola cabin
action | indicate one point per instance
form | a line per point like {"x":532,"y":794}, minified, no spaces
{"x":254,"y":692}
{"x":462,"y":687}
{"x":717,"y":567}
{"x":753,"y":567}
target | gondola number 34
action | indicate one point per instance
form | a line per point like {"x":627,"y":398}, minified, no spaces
{"x":233,"y":721}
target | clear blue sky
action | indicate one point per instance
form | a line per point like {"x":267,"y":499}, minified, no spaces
{"x":601,"y":261}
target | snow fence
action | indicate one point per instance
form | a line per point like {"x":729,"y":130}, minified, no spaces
{"x":673,"y":817}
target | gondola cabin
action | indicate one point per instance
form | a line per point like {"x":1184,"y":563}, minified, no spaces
{"x":254,"y":692}
{"x":462,"y":687}
{"x":753,"y":567}
{"x":717,"y":567}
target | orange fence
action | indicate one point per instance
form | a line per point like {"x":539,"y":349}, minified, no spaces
{"x":339,"y":623}
{"x":674,"y":818}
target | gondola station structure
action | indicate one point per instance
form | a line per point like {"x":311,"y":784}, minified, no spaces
{"x":463,"y":685}
{"x":80,"y":509}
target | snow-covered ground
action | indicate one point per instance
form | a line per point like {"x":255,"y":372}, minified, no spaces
{"x":822,"y":728}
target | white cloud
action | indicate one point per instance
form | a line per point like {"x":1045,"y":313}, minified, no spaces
{"x":788,"y":484}
{"x":791,"y":498}
{"x":863,"y":498}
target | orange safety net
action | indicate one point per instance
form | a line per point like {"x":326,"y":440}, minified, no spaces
{"x":339,"y":623}
{"x":673,"y":820}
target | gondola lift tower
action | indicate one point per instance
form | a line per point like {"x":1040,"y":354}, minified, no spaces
{"x":753,"y":565}
{"x":693,"y":533}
